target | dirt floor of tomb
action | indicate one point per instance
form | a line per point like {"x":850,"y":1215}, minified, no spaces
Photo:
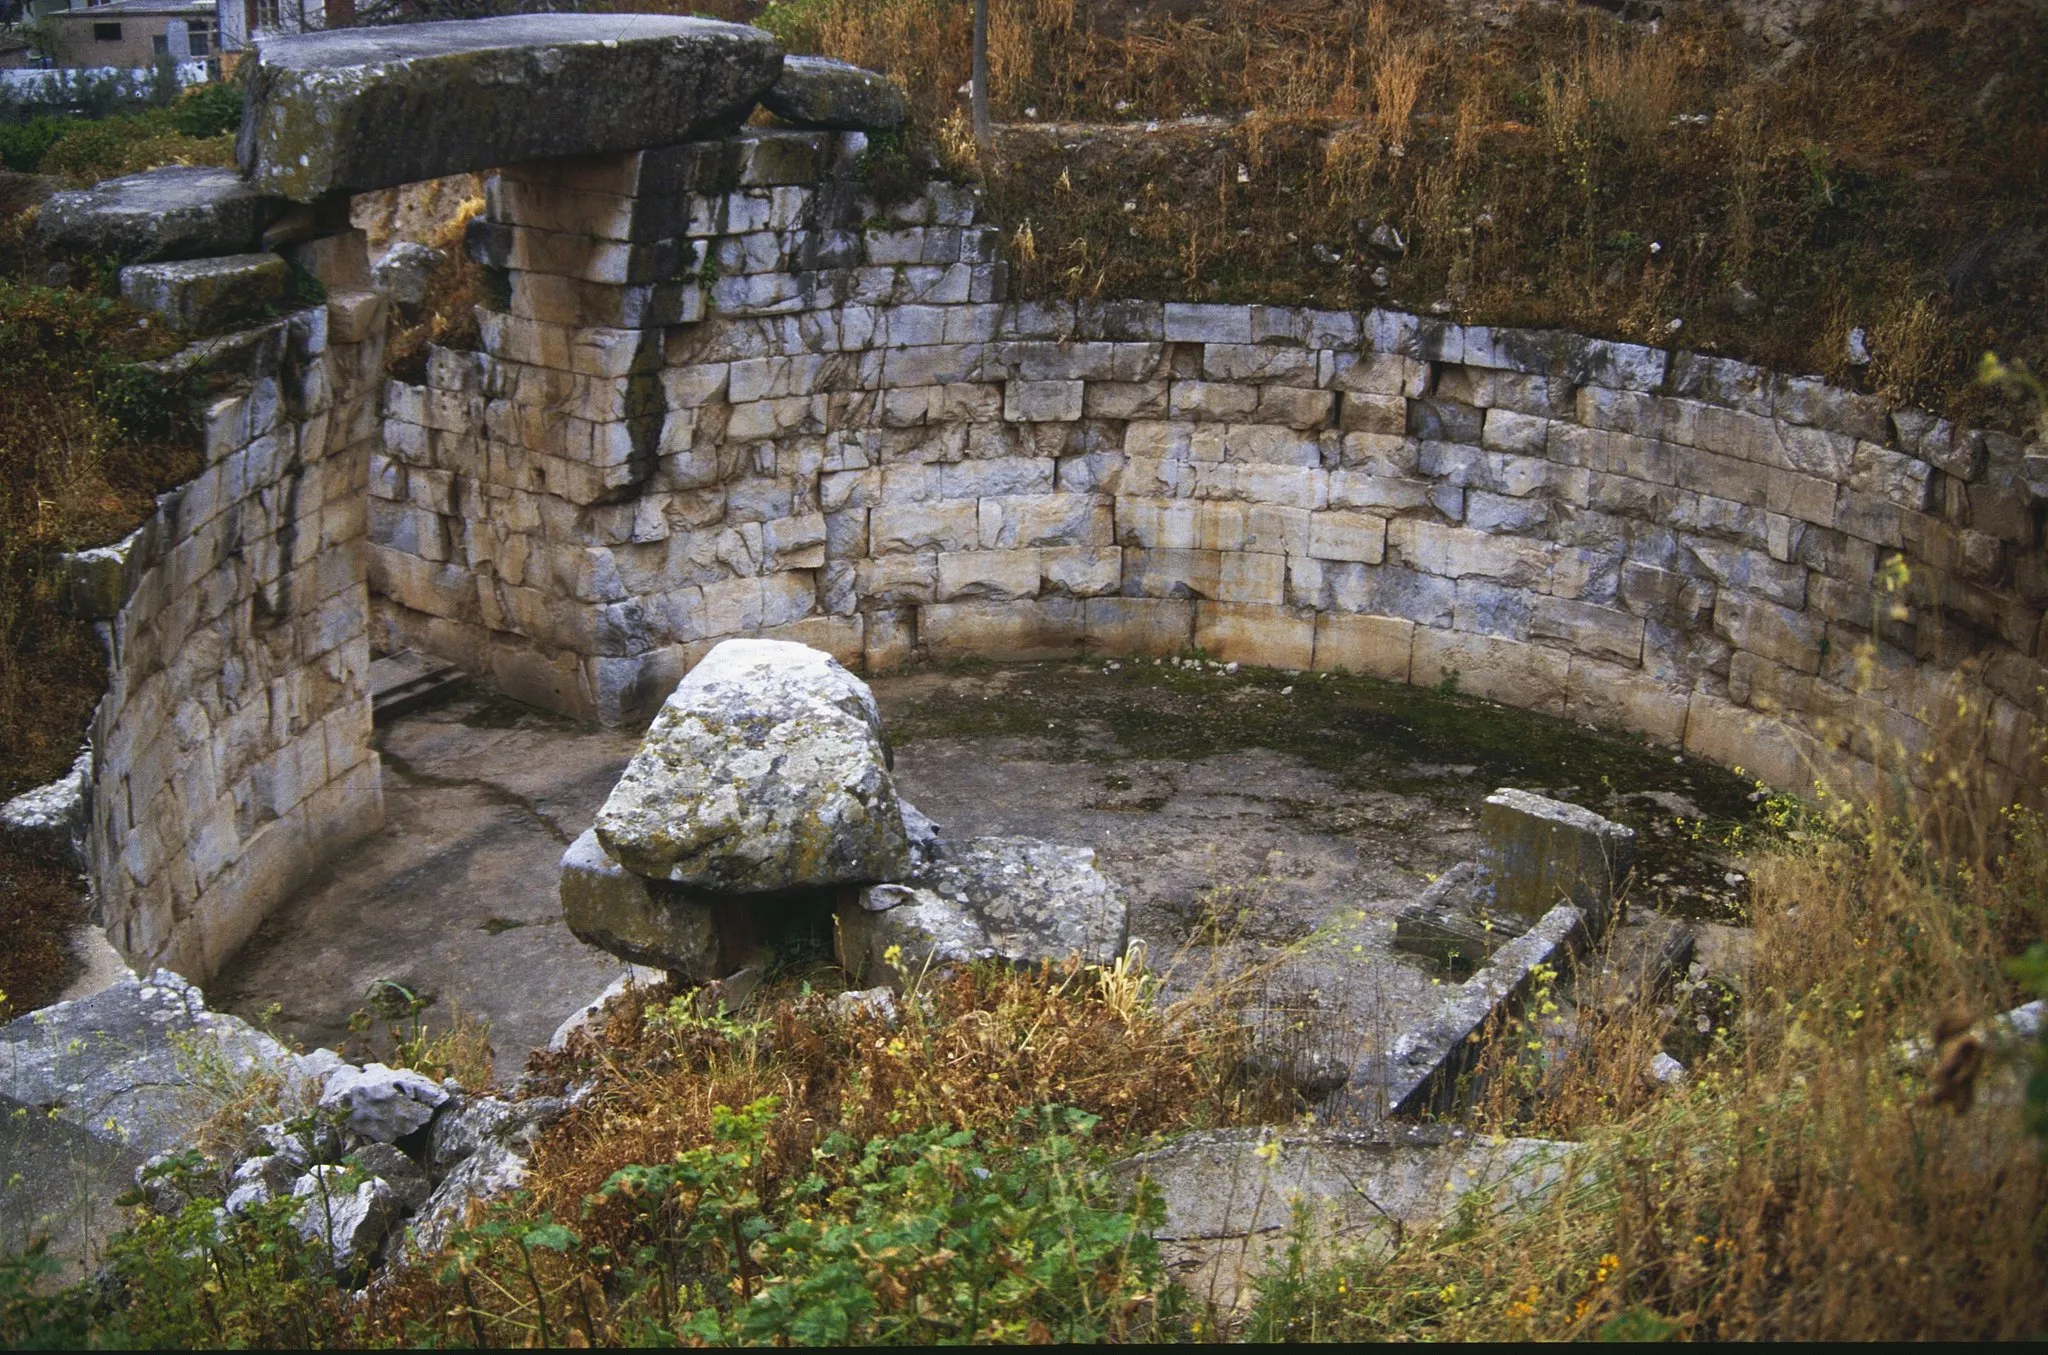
{"x":1260,"y":822}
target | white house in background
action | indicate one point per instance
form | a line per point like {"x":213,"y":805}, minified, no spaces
{"x":241,"y":19}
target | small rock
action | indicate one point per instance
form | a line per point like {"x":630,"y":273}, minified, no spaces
{"x":1387,"y":241}
{"x":347,"y":1223}
{"x":1666,"y":1071}
{"x":382,"y":1104}
{"x":403,"y":271}
{"x":490,"y":1120}
{"x":879,"y":1003}
{"x":259,"y":1180}
{"x":407,"y":1179}
{"x":492,"y":1169}
{"x":1859,"y":348}
{"x":816,"y":91}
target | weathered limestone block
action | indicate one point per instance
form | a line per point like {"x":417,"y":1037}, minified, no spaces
{"x":816,"y":91}
{"x":1453,"y":921}
{"x":646,"y":921}
{"x":766,"y":769}
{"x":1015,"y":899}
{"x":175,"y":212}
{"x":1537,"y":852}
{"x":207,"y":295}
{"x":354,"y":109}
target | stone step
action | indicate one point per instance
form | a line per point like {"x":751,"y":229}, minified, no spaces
{"x":407,"y":680}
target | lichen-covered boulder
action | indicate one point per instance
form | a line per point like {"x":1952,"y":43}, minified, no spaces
{"x":765,"y":770}
{"x":348,"y":110}
{"x":174,"y":212}
{"x":1014,"y":899}
{"x":816,"y":91}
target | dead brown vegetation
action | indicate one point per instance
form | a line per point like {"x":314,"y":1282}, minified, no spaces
{"x":1553,"y":167}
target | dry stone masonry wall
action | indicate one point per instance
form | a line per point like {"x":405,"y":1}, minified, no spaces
{"x":232,"y":749}
{"x":726,"y":392}
{"x":728,"y":387}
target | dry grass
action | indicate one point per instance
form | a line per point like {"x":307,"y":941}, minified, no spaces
{"x":1892,"y":177}
{"x":1833,"y":1170}
{"x":974,"y":1050}
{"x":447,"y":311}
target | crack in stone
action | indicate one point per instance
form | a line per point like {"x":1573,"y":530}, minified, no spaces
{"x":490,"y":790}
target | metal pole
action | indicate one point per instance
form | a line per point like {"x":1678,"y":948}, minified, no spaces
{"x":981,"y":73}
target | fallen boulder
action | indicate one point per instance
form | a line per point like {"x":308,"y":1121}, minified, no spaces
{"x":766,"y":770}
{"x":816,"y":91}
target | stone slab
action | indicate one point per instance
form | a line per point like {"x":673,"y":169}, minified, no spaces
{"x":355,"y":109}
{"x":645,"y":921}
{"x":1538,"y":852}
{"x":201,"y":296}
{"x":175,"y":212}
{"x":816,"y":91}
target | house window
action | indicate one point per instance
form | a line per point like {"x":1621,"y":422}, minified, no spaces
{"x":201,"y":37}
{"x":160,"y":44}
{"x":106,"y":32}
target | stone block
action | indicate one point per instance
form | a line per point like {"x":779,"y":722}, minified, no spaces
{"x":1081,"y":571}
{"x":1753,"y":744}
{"x":1363,"y":413}
{"x":645,"y":921}
{"x":1615,"y":697}
{"x":1508,"y":671}
{"x":173,"y":212}
{"x":911,"y":527}
{"x":1017,"y":520}
{"x":1263,"y":634}
{"x":1042,"y":628}
{"x":207,"y":295}
{"x":998,"y":575}
{"x":1599,"y":631}
{"x":1196,"y":323}
{"x":1337,"y":535}
{"x":1042,"y":401}
{"x":1536,"y":852}
{"x":1150,"y":627}
{"x":354,"y":109}
{"x":1377,"y":645}
{"x":1777,"y":633}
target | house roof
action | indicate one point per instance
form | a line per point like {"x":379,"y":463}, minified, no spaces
{"x":180,"y":9}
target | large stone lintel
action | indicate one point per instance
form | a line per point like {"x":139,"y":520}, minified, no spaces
{"x":355,"y":109}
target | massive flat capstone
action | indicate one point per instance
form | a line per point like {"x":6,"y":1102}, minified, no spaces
{"x":356,"y":109}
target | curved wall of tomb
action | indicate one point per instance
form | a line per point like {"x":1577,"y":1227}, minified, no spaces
{"x":231,"y":753}
{"x":838,"y":431}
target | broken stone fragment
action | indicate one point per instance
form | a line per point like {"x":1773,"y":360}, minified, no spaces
{"x":402,"y":272}
{"x":1537,"y":852}
{"x":1452,"y":922}
{"x":648,"y":922}
{"x":346,"y":1221}
{"x":382,"y":1104}
{"x":355,"y":109}
{"x":207,"y":295}
{"x":816,"y":91}
{"x":175,"y":212}
{"x":1014,"y":899}
{"x":765,"y":770}
{"x":407,"y":1179}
